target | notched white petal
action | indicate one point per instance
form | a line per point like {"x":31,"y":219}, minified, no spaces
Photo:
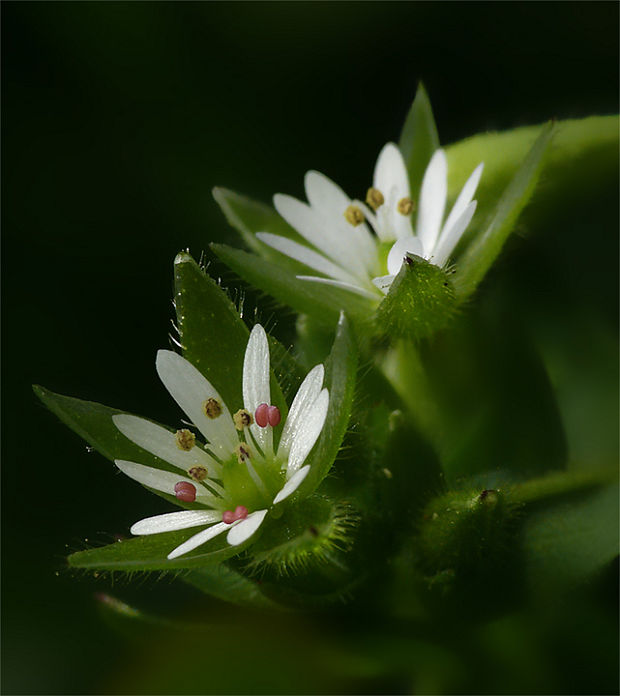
{"x":174,"y":521}
{"x":305,"y":397}
{"x":190,"y":389}
{"x":432,"y":200}
{"x":243,"y":530}
{"x":197,"y":540}
{"x":163,"y":481}
{"x":163,"y":444}
{"x":384,"y":283}
{"x":463,"y":200}
{"x":292,"y":484}
{"x":256,"y":388}
{"x":308,"y":432}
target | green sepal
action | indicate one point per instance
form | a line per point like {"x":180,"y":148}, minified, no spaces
{"x":418,"y":139}
{"x":150,"y":552}
{"x":249,"y":217}
{"x":322,"y":302}
{"x":340,"y":373}
{"x":484,"y":249}
{"x":93,"y":422}
{"x":420,"y":301}
{"x":213,"y":335}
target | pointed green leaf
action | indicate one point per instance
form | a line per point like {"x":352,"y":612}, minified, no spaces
{"x":420,"y":301}
{"x":149,"y":553}
{"x":583,"y":157}
{"x":225,"y":583}
{"x":418,"y":139}
{"x":485,"y":248}
{"x":93,"y":422}
{"x":320,"y":301}
{"x":249,"y":217}
{"x":213,"y":335}
{"x":340,"y":373}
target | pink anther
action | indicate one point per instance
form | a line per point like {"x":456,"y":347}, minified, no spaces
{"x":185,"y":491}
{"x":273,"y":416}
{"x":261,"y":416}
{"x":240,"y":513}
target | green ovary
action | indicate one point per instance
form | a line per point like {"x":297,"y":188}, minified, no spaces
{"x":243,"y":490}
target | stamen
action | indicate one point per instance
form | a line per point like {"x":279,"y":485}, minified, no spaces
{"x":243,"y":453}
{"x":273,"y":416}
{"x":261,"y":415}
{"x":185,"y":439}
{"x":405,"y":206}
{"x":353,"y":215}
{"x":240,"y":513}
{"x":374,"y":198}
{"x":242,"y":419}
{"x":212,"y":408}
{"x":198,"y":473}
{"x":185,"y":491}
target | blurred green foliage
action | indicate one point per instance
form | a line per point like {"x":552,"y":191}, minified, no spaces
{"x":118,"y":121}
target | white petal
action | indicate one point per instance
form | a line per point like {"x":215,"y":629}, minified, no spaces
{"x":304,"y":399}
{"x":391,"y":172}
{"x":448,"y":241}
{"x":190,"y":390}
{"x":338,"y":284}
{"x":163,"y":481}
{"x":384,"y":283}
{"x":256,"y":383}
{"x":174,"y":521}
{"x":292,"y":484}
{"x":309,"y":224}
{"x":198,"y":540}
{"x":465,"y":196}
{"x":305,"y":255}
{"x":162,"y":443}
{"x":308,"y":432}
{"x":432,"y":199}
{"x":243,"y":530}
{"x":411,"y":245}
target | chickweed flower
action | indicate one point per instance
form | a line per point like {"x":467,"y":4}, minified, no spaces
{"x":239,"y":474}
{"x":360,"y":246}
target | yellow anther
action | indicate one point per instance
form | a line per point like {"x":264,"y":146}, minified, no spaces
{"x":198,"y":473}
{"x":212,"y":408}
{"x":243,"y":452}
{"x":374,"y":198}
{"x":405,"y":206}
{"x":353,"y":215}
{"x":242,"y":419}
{"x":185,"y":439}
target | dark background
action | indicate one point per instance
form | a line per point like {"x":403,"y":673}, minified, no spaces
{"x":118,"y":119}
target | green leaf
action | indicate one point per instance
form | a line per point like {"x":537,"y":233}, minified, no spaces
{"x":485,"y":248}
{"x":249,"y":217}
{"x":213,"y":335}
{"x":572,"y":540}
{"x":418,"y":139}
{"x":149,"y":553}
{"x":225,"y":583}
{"x":322,"y":302}
{"x":420,"y":301}
{"x":93,"y":422}
{"x":340,"y":373}
{"x":583,"y":158}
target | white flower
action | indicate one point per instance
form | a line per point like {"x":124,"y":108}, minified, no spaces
{"x":238,"y":475}
{"x":342,"y":246}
